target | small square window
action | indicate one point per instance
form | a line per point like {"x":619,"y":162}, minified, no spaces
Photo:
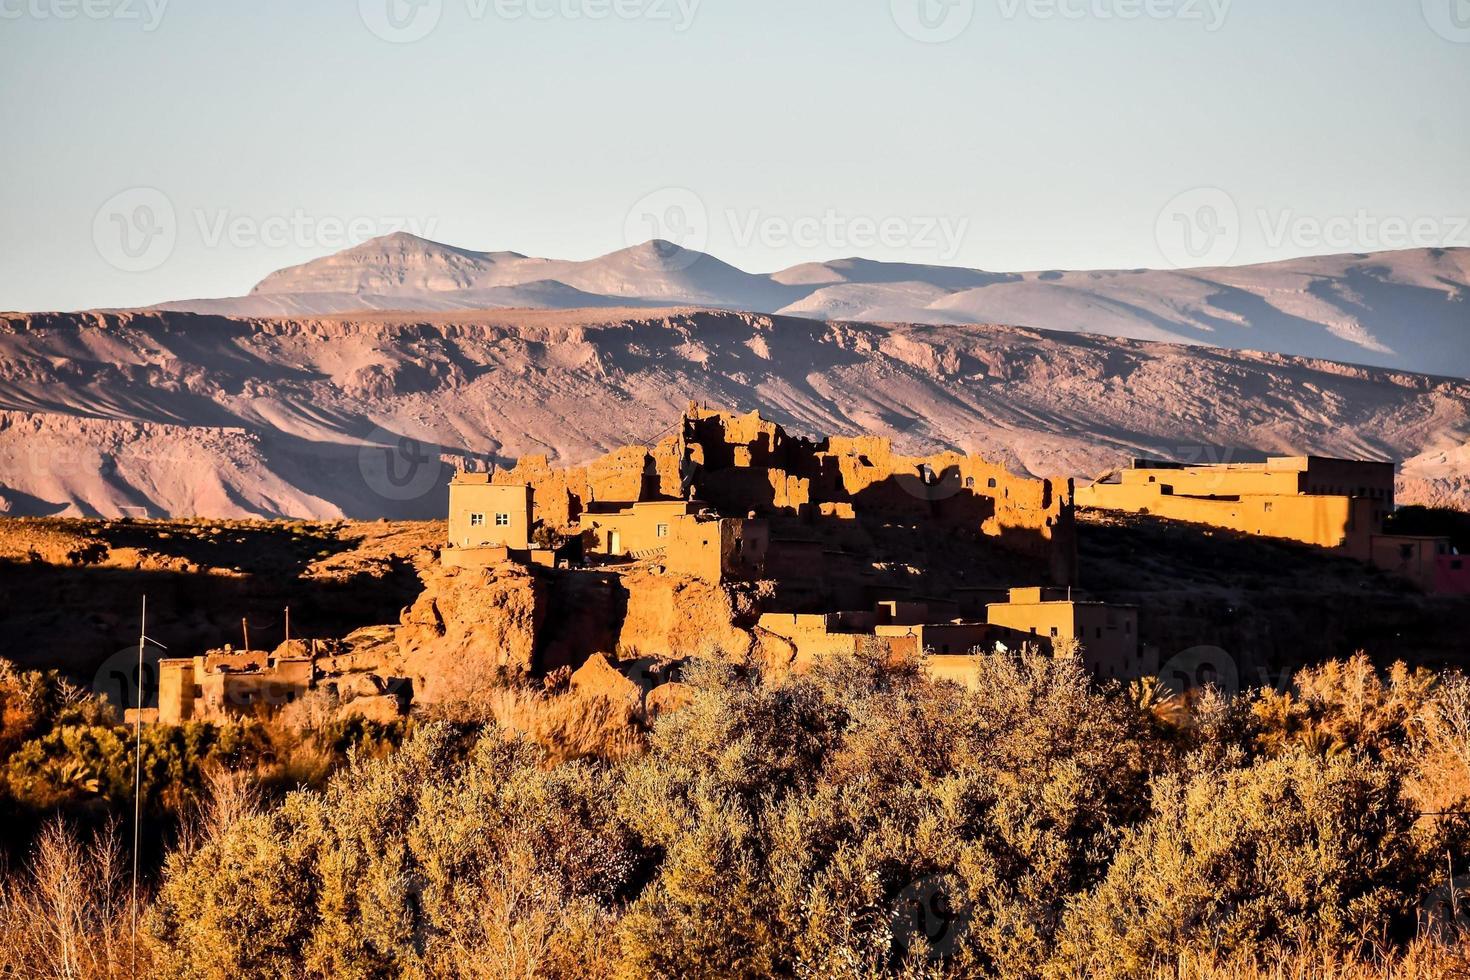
{"x":477,"y":520}
{"x":502,"y":520}
{"x":662,"y":530}
{"x":1055,"y":631}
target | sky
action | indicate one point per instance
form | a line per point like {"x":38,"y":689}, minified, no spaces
{"x":170,"y":149}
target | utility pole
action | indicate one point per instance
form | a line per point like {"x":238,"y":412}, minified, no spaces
{"x":138,"y":772}
{"x":288,"y":624}
{"x":245,"y":628}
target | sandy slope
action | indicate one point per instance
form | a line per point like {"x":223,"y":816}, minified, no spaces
{"x":363,"y":416}
{"x":1406,"y":309}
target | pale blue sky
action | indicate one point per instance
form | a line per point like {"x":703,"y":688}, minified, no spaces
{"x":1038,"y":140}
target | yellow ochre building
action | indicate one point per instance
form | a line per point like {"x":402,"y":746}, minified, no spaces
{"x":1336,"y":504}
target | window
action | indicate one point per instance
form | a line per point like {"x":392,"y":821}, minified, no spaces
{"x":1099,"y":632}
{"x":1269,"y":506}
{"x":477,"y":520}
{"x":990,"y":483}
{"x":662,"y":530}
{"x":969,"y":483}
{"x":1055,"y":631}
{"x":502,"y":520}
{"x":1406,"y":551}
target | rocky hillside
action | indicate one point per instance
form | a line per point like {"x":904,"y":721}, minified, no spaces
{"x":1402,"y":309}
{"x":156,"y":413}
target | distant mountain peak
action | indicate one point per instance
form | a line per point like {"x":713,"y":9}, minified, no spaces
{"x":1403,"y":309}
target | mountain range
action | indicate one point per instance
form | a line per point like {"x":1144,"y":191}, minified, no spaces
{"x":1406,"y":310}
{"x":365,"y":415}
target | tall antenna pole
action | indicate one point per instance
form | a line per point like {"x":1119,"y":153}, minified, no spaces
{"x":245,"y":628}
{"x":288,"y":624}
{"x":138,"y":773}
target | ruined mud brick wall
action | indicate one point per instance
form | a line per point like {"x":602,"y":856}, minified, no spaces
{"x":558,"y":494}
{"x":713,"y":550}
{"x":745,"y":464}
{"x":786,"y":641}
{"x":719,"y":440}
{"x":626,"y":475}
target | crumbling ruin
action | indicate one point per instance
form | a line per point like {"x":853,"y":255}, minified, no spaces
{"x":728,"y":538}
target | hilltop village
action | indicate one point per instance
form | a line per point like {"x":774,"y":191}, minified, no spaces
{"x":731,"y":538}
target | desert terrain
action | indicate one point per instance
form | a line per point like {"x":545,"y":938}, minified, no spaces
{"x":153,"y":414}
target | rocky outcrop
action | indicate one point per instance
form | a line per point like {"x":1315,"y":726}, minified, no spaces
{"x":672,"y":616}
{"x":667,"y":698}
{"x":469,"y":628}
{"x":598,"y":678}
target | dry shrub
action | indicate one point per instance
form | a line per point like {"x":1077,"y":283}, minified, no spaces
{"x":68,"y":913}
{"x":1422,"y":960}
{"x":792,"y":826}
{"x":1440,"y":780}
{"x":230,"y":797}
{"x":569,"y":725}
{"x":313,"y":711}
{"x":1346,"y":704}
{"x":429,"y":862}
{"x":1315,"y":853}
{"x":798,"y":818}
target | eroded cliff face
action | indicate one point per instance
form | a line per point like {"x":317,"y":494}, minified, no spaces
{"x":674,"y":616}
{"x":469,"y":628}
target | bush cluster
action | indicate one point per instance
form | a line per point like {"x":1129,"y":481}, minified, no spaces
{"x":857,"y":821}
{"x":864,"y":821}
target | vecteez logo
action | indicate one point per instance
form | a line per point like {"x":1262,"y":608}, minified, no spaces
{"x":405,"y":21}
{"x":401,"y":21}
{"x":1210,"y":13}
{"x":671,"y":214}
{"x":1200,"y":227}
{"x":147,"y":13}
{"x":136,"y":230}
{"x":402,"y":467}
{"x":933,"y":21}
{"x":1450,"y":19}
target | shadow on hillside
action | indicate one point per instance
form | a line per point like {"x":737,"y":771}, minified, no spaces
{"x":1270,"y":606}
{"x":253,"y":548}
{"x":74,"y":618}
